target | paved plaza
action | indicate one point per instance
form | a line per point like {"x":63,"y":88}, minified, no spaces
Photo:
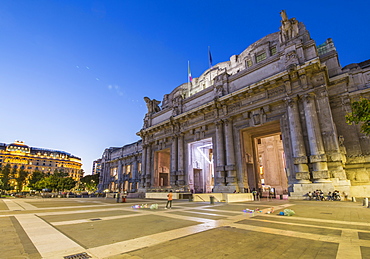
{"x":102,"y":228}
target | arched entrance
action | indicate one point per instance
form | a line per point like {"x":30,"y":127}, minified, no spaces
{"x":265,"y":165}
{"x":201,"y":171}
{"x":162,"y":168}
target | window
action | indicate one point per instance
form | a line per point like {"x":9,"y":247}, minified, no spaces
{"x":273,"y":50}
{"x":249,"y":63}
{"x":261,"y":57}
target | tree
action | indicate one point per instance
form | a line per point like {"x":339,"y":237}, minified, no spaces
{"x":33,"y":180}
{"x":90,"y":182}
{"x":20,"y":178}
{"x":360,"y":114}
{"x":56,"y":182}
{"x":5,"y":177}
{"x":66,"y":183}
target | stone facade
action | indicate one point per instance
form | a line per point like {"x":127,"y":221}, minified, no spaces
{"x":281,"y":102}
{"x":21,"y":156}
{"x":121,"y":168}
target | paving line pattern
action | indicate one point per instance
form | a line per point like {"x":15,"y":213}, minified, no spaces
{"x":41,"y":232}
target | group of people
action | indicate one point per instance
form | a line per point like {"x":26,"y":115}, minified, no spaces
{"x":319,"y":195}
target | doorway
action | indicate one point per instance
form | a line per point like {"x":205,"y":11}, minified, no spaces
{"x":162,"y":168}
{"x":271,"y":163}
{"x":264,"y":161}
{"x":201,"y":169}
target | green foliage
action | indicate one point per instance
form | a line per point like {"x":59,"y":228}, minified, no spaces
{"x":5,"y":176}
{"x":35,"y":177}
{"x":20,"y":178}
{"x":56,"y":182}
{"x":360,"y":114}
{"x":90,"y":182}
{"x":66,"y":183}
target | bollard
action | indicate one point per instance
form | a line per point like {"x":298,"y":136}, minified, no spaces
{"x":353,"y":199}
{"x":212,"y":200}
{"x":365,"y":202}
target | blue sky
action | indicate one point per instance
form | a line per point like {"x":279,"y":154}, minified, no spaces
{"x":73,"y":73}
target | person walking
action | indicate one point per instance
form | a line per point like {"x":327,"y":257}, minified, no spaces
{"x":169,"y":200}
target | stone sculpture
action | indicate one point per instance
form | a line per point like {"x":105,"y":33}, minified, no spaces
{"x":152,"y":105}
{"x":289,"y":27}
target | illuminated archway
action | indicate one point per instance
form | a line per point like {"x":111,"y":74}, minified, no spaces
{"x":200,"y":167}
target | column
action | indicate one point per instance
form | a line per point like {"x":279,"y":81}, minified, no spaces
{"x":220,"y":161}
{"x":148,"y":171}
{"x":124,"y":174}
{"x":143,"y":166}
{"x":135,"y":175}
{"x":120,"y":175}
{"x":230,"y":154}
{"x":180,"y":165}
{"x":299,"y":152}
{"x":317,"y":153}
{"x":174,"y":158}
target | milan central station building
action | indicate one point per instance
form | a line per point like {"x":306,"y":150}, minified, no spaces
{"x":271,"y":117}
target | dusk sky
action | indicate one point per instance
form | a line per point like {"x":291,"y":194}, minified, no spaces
{"x":73,"y":73}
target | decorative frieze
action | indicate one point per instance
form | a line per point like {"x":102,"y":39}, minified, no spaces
{"x":234,"y":107}
{"x":318,"y":158}
{"x":320,"y":174}
{"x":300,"y":160}
{"x":280,"y":90}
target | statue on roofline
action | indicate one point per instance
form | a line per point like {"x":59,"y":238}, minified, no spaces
{"x":152,"y":105}
{"x":289,"y":27}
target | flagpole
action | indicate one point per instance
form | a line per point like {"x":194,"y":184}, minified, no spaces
{"x":188,"y":72}
{"x":209,"y":57}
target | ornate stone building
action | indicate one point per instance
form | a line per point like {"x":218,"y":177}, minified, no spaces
{"x":19,"y":155}
{"x":274,"y":115}
{"x":121,"y":168}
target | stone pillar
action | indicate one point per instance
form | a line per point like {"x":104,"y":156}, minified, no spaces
{"x":299,"y":151}
{"x":330,"y":137}
{"x":317,"y":153}
{"x":120,"y":175}
{"x":148,"y":166}
{"x":124,"y":174}
{"x":135,"y":175}
{"x":174,"y":159}
{"x":180,"y":166}
{"x":230,"y":154}
{"x":108,"y":176}
{"x":220,"y":161}
{"x":104,"y":181}
{"x":143,"y":166}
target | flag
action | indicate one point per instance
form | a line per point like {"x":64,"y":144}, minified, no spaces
{"x":209,"y":57}
{"x":190,"y":78}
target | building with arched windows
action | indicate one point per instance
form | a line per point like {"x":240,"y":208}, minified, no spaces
{"x":272,"y":117}
{"x":19,"y":155}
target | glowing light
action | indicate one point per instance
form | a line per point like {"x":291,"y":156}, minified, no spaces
{"x":203,"y":154}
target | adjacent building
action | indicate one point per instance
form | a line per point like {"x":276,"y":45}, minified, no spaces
{"x":96,"y":169}
{"x":19,"y":155}
{"x":271,"y":117}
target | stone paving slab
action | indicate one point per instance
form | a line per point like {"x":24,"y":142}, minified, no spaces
{"x":296,"y":220}
{"x":237,"y":243}
{"x":332,"y":210}
{"x":189,"y":230}
{"x":297,"y":228}
{"x":99,"y":233}
{"x":203,"y":215}
{"x":2,"y":204}
{"x":62,"y":203}
{"x":85,"y":215}
{"x":365,"y":252}
{"x":14,"y":243}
